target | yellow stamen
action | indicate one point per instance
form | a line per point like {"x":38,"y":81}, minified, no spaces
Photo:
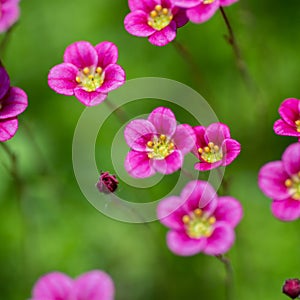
{"x":150,"y":23}
{"x":86,"y":70}
{"x":99,"y":70}
{"x":171,"y":146}
{"x":165,"y":11}
{"x":216,"y":148}
{"x":198,"y":212}
{"x":288,"y":183}
{"x":297,"y":122}
{"x":162,"y":137}
{"x":158,"y":7}
{"x":212,"y":220}
{"x":171,"y":17}
{"x":200,"y":150}
{"x":206,"y":149}
{"x":91,"y":76}
{"x":186,"y":219}
{"x":78,"y":80}
{"x":153,"y":13}
{"x":150,"y":144}
{"x":211,"y":145}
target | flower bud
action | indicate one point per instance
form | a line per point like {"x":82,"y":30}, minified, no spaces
{"x":107,"y":183}
{"x":291,"y":288}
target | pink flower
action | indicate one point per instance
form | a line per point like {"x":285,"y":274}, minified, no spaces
{"x":88,"y":72}
{"x":280,"y":181}
{"x":199,"y":221}
{"x":291,"y":288}
{"x":9,"y":13}
{"x":156,"y":19}
{"x":94,"y":285}
{"x":157,"y":144}
{"x":289,"y":125}
{"x":13,"y":101}
{"x":199,"y":11}
{"x":107,"y":183}
{"x":214,"y":146}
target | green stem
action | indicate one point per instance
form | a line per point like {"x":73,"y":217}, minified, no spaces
{"x":120,"y":113}
{"x":229,"y":276}
{"x":5,"y":39}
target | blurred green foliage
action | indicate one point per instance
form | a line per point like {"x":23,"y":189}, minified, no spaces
{"x":55,"y":228}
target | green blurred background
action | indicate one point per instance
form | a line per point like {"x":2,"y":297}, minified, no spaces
{"x":54,"y":227}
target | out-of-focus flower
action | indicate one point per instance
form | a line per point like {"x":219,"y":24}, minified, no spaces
{"x":291,"y":288}
{"x":107,"y":183}
{"x":199,"y":220}
{"x":9,"y":13}
{"x":88,"y":72}
{"x":214,"y":146}
{"x":94,"y":285}
{"x":157,"y":144}
{"x":280,"y":181}
{"x":156,"y":19}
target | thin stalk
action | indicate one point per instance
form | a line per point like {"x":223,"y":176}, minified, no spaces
{"x":120,"y":113}
{"x":229,"y":276}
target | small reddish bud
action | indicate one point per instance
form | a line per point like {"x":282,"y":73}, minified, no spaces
{"x":107,"y":183}
{"x":291,"y":288}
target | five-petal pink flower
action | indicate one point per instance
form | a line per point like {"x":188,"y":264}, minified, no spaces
{"x":9,"y":13}
{"x":13,"y":101}
{"x":94,"y":285}
{"x":199,"y":220}
{"x":88,"y":72}
{"x":214,"y":147}
{"x":280,"y":181}
{"x":157,"y":144}
{"x":199,"y":11}
{"x":289,"y":124}
{"x":156,"y":19}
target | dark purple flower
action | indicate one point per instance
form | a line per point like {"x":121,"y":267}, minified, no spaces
{"x":291,"y":288}
{"x":156,"y":19}
{"x":9,"y":13}
{"x":107,"y":183}
{"x":88,"y":72}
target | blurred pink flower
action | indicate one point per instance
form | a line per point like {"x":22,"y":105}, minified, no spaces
{"x":280,"y":181}
{"x":107,"y":183}
{"x":157,"y":144}
{"x":289,"y":124}
{"x":199,"y":11}
{"x":291,"y":288}
{"x":88,"y":72}
{"x":156,"y":19}
{"x":9,"y":13}
{"x":13,"y":101}
{"x":199,"y":220}
{"x":214,"y":146}
{"x":94,"y":285}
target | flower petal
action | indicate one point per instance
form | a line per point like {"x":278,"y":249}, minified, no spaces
{"x":4,"y":82}
{"x":271,"y":179}
{"x":93,"y":285}
{"x":180,"y":244}
{"x":164,"y":121}
{"x":62,"y":79}
{"x":163,"y":37}
{"x":137,"y":164}
{"x":289,"y":110}
{"x":170,"y":164}
{"x":107,"y":54}
{"x":227,"y":2}
{"x":180,"y":16}
{"x":291,"y":159}
{"x":53,"y":286}
{"x":205,"y":166}
{"x":81,"y":54}
{"x":231,"y":149}
{"x":282,"y":128}
{"x":229,"y":210}
{"x":137,"y":133}
{"x":114,"y":77}
{"x":200,"y":140}
{"x":202,"y":12}
{"x":14,"y":103}
{"x":10,"y":13}
{"x":145,"y":5}
{"x":184,"y":138}
{"x":136,"y":23}
{"x":221,"y":239}
{"x":8,"y":129}
{"x":186,"y":3}
{"x":89,"y":98}
{"x":217,"y":133}
{"x":286,"y":210}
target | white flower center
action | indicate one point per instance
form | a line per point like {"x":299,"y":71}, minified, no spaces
{"x":160,"y":17}
{"x":160,"y":147}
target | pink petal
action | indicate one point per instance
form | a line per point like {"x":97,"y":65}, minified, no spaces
{"x":114,"y":77}
{"x":187,"y":3}
{"x":180,"y":244}
{"x":137,"y":133}
{"x":81,"y":54}
{"x":137,"y":164}
{"x":229,"y":210}
{"x":227,"y":2}
{"x":180,"y":16}
{"x":4,"y":82}
{"x":94,"y":285}
{"x":163,"y":37}
{"x":107,"y":54}
{"x":164,"y":121}
{"x":136,"y":23}
{"x":10,"y":13}
{"x":200,"y":140}
{"x":291,"y":159}
{"x":282,"y":128}
{"x":62,"y":79}
{"x":202,"y":12}
{"x":184,"y":138}
{"x":231,"y":149}
{"x":145,"y":5}
{"x":205,"y":166}
{"x":170,"y":164}
{"x":289,"y":111}
{"x":53,"y":286}
{"x":8,"y":129}
{"x":14,"y":103}
{"x":217,"y":133}
{"x":221,"y":239}
{"x":286,"y":210}
{"x":89,"y":98}
{"x":271,"y":179}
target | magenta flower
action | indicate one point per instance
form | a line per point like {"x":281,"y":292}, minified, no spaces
{"x":291,"y":288}
{"x":13,"y":101}
{"x":156,"y":19}
{"x":94,"y":285}
{"x":88,"y":72}
{"x":157,"y":144}
{"x":9,"y":13}
{"x":199,"y":221}
{"x":280,"y":181}
{"x":214,"y":146}
{"x":199,"y":11}
{"x":107,"y":183}
{"x":289,"y":124}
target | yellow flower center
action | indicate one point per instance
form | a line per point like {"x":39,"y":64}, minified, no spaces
{"x":297,"y":123}
{"x":293,"y":185}
{"x":90,"y":78}
{"x":160,"y":147}
{"x":160,"y":17}
{"x":208,"y":1}
{"x":198,"y":225}
{"x":211,"y":153}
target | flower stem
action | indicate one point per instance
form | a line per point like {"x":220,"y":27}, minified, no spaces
{"x":120,"y":113}
{"x":229,"y":275}
{"x":5,"y":39}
